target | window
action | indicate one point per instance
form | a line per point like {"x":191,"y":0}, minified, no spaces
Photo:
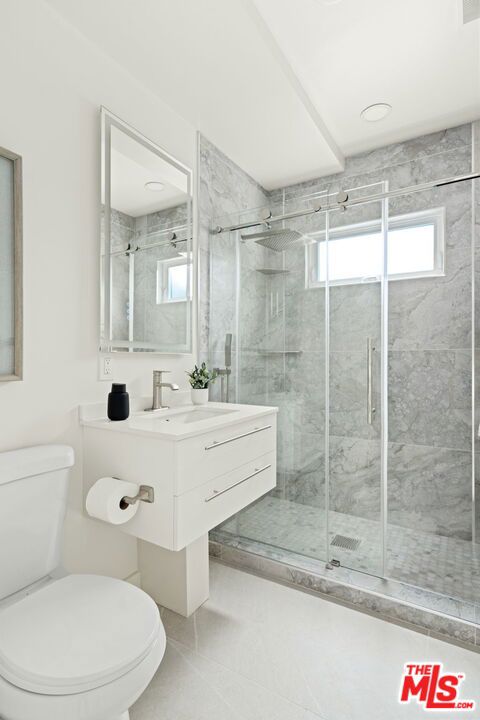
{"x":355,"y":252}
{"x":174,"y":280}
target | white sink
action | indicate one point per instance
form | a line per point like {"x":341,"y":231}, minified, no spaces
{"x":194,"y":414}
{"x":175,"y":421}
{"x":183,"y":416}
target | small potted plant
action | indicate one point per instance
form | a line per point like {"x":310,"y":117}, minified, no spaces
{"x":200,"y":379}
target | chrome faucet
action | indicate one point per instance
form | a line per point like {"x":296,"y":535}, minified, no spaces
{"x":157,"y":390}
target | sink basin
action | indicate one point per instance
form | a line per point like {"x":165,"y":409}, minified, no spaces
{"x":192,"y":415}
{"x":181,"y":421}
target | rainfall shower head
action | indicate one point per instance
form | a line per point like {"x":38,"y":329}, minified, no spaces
{"x":277,"y":240}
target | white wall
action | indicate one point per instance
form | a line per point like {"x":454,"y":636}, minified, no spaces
{"x":53,"y":83}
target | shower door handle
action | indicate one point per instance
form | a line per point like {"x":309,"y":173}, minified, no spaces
{"x":370,"y":408}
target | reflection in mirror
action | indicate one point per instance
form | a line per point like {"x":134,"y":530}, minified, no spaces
{"x":10,"y":266}
{"x":147,"y":245}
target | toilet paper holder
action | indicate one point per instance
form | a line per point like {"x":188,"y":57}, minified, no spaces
{"x":145,"y":493}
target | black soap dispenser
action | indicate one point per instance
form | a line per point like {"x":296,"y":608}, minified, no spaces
{"x":118,"y":402}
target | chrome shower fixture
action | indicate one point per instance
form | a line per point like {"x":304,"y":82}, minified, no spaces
{"x":183,"y":242}
{"x":277,"y":240}
{"x":175,"y":240}
{"x":225,"y":372}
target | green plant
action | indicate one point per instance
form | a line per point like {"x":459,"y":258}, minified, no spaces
{"x":200,"y":377}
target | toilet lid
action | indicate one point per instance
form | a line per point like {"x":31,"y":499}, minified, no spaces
{"x":76,"y":634}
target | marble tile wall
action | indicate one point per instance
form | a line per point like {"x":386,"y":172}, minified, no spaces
{"x":231,"y":292}
{"x":429,"y":340}
{"x":476,"y":226}
{"x":430,"y":374}
{"x":122,"y":233}
{"x":429,"y":157}
{"x":164,"y":323}
{"x":429,"y":356}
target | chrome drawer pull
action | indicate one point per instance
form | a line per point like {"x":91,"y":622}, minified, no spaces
{"x":216,"y":444}
{"x":217,"y":493}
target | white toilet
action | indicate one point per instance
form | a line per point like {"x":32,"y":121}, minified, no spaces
{"x":72,"y":647}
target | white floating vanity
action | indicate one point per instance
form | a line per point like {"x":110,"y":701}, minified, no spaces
{"x":204,"y":463}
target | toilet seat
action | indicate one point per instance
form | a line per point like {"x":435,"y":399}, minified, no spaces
{"x":76,"y":634}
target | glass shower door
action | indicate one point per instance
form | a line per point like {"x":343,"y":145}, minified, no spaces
{"x":279,"y":352}
{"x":432,"y":434}
{"x":351,"y":261}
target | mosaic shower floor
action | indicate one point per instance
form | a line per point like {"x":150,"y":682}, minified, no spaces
{"x":443,"y":565}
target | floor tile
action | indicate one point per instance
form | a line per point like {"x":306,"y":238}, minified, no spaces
{"x":191,"y":687}
{"x":258,"y":650}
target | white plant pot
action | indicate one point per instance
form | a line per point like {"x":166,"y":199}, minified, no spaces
{"x":199,"y":397}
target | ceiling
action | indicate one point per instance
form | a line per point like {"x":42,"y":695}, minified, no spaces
{"x":133,"y":165}
{"x":278,"y":85}
{"x":415,"y":55}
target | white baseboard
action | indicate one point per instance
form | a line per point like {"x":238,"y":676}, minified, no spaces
{"x":134,"y":579}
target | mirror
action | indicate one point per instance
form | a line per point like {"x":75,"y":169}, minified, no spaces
{"x":147,"y":249}
{"x":10,"y":266}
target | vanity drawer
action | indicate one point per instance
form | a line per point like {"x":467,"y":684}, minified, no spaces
{"x":203,"y":508}
{"x":218,"y":452}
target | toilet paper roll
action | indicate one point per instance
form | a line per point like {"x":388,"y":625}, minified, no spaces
{"x":104,"y":497}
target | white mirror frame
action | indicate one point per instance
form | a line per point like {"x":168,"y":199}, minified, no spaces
{"x":18,"y":265}
{"x":109,"y":120}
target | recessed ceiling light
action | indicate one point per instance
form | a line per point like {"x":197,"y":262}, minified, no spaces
{"x":375,"y":112}
{"x":154,"y":186}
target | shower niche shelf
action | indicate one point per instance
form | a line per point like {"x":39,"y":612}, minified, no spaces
{"x":272,"y":271}
{"x":280,"y":352}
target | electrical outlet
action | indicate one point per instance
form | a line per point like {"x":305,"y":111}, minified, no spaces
{"x":105,"y":370}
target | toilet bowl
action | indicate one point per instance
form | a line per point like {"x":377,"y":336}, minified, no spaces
{"x":76,"y":647}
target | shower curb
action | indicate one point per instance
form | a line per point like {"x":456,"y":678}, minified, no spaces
{"x":456,"y":631}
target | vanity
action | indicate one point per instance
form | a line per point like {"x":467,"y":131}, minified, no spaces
{"x":200,"y":464}
{"x":204,"y":463}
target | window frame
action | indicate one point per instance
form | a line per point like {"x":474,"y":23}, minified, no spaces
{"x":163,"y":267}
{"x":432,"y":216}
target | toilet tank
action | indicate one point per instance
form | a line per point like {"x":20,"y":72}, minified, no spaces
{"x":33,"y":497}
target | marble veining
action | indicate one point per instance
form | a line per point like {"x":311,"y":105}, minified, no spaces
{"x":430,"y":398}
{"x":224,"y":189}
{"x":429,"y":363}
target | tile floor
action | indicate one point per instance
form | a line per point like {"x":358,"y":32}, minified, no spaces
{"x":258,"y":650}
{"x":444,"y":565}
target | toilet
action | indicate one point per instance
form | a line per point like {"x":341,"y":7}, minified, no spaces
{"x":72,"y":647}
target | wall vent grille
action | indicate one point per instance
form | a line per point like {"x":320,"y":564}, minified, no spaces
{"x":471,"y":10}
